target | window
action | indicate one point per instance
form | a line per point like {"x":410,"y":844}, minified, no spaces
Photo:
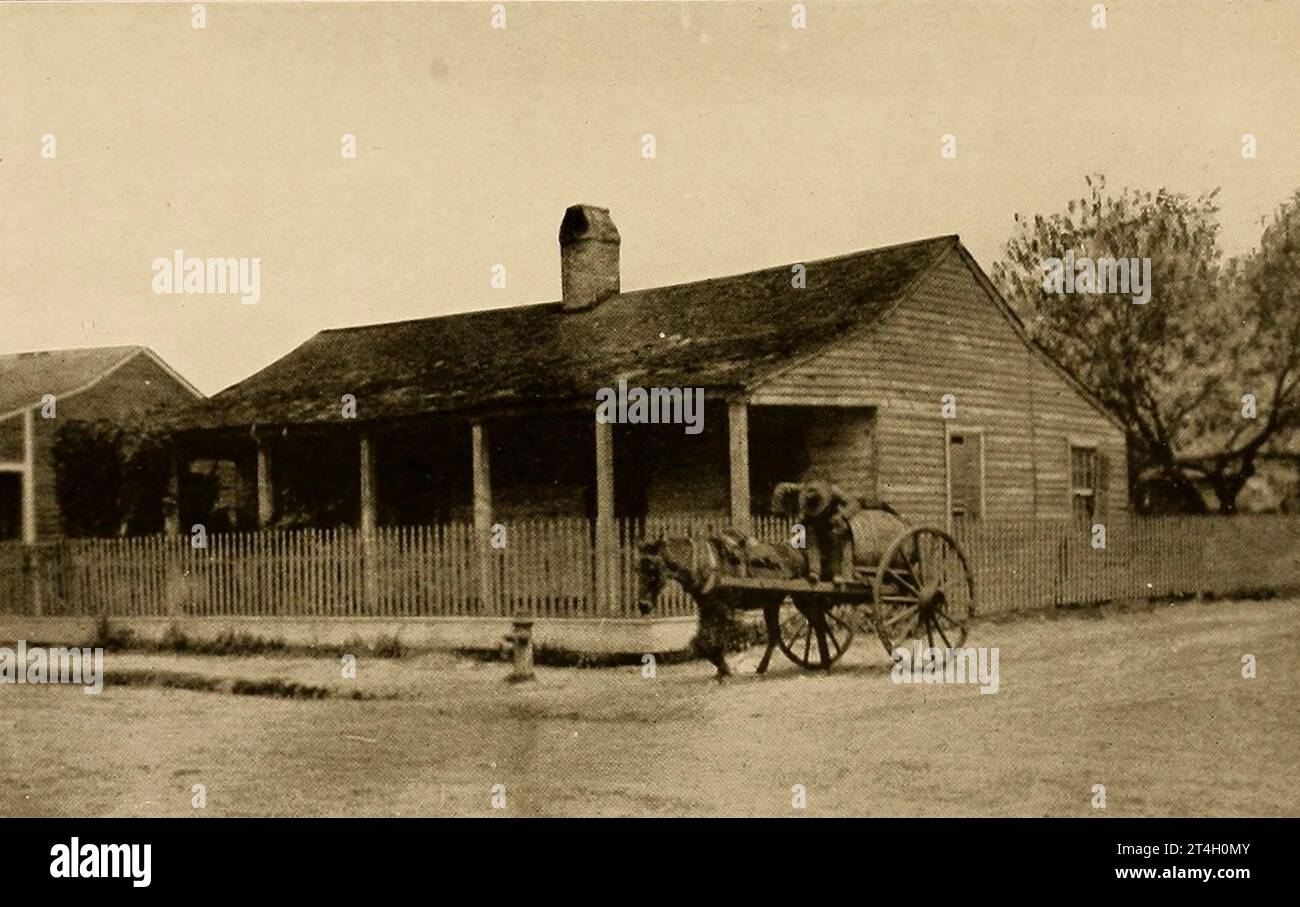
{"x":1085,"y":475}
{"x":965,"y":475}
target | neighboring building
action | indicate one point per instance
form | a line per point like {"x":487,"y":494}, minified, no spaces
{"x":106,"y":383}
{"x":489,"y":415}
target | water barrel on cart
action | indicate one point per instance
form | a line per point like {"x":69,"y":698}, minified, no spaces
{"x":872,"y":532}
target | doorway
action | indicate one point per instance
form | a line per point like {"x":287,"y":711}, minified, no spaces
{"x":11,"y":506}
{"x":965,"y":457}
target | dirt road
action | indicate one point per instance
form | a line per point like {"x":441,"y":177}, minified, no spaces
{"x":1150,"y":704}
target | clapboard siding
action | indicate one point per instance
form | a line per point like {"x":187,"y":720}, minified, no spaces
{"x":950,"y":337}
{"x":842,"y":448}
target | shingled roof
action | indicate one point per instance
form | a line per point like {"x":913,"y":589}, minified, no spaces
{"x":720,"y":333}
{"x":27,"y":377}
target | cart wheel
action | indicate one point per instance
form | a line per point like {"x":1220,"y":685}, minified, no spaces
{"x":813,"y":635}
{"x":924,"y":590}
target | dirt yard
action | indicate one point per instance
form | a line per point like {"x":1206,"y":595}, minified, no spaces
{"x":1151,"y":704}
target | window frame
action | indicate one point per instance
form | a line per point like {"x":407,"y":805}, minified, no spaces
{"x":1091,"y":493}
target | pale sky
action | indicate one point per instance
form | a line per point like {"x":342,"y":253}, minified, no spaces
{"x":773,"y":145}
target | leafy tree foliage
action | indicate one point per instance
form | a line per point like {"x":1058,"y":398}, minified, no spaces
{"x":110,"y":479}
{"x":1174,"y":371}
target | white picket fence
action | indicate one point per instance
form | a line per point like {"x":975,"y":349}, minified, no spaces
{"x":548,"y":568}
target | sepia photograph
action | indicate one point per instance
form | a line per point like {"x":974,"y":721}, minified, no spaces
{"x":863,"y":410}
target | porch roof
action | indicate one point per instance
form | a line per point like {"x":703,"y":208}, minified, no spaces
{"x":719,"y":333}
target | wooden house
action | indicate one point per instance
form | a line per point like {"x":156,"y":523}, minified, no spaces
{"x":897,"y":372}
{"x":41,"y":391}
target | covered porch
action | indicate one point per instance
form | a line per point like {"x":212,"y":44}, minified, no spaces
{"x":547,"y":504}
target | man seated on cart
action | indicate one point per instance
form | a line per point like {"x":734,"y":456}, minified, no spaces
{"x":824,"y":511}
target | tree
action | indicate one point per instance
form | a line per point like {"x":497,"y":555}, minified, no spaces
{"x":1175,"y":369}
{"x":110,"y":478}
{"x":1262,"y":361}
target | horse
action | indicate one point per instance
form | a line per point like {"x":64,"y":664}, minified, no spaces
{"x":696,"y":564}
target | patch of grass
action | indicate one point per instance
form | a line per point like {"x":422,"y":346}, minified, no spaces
{"x":174,"y":640}
{"x":230,"y":642}
{"x":227,"y":642}
{"x":558,"y":657}
{"x":353,"y":645}
{"x":275,"y":687}
{"x":382,"y":647}
{"x":112,"y":638}
{"x":387,"y":647}
{"x":1259,"y":593}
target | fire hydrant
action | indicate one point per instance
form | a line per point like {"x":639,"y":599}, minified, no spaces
{"x":521,"y":649}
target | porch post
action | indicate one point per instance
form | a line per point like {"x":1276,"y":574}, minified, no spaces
{"x":369,"y":520}
{"x":482,"y":512}
{"x":172,"y":500}
{"x":606,"y":592}
{"x":29,"y":478}
{"x":31,"y":557}
{"x":738,"y":443}
{"x":369,"y":495}
{"x":265,"y":493}
{"x":173,"y":550}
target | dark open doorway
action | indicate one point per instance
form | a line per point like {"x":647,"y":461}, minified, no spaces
{"x":11,"y":506}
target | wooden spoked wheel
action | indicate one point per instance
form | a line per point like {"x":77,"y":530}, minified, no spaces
{"x":923,"y":589}
{"x":814,"y":635}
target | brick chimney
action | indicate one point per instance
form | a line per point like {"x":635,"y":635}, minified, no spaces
{"x":588,"y":257}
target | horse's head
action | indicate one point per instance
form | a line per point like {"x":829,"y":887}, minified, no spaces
{"x":651,"y":574}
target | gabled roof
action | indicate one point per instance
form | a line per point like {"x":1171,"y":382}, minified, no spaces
{"x":720,"y":333}
{"x":27,"y":377}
